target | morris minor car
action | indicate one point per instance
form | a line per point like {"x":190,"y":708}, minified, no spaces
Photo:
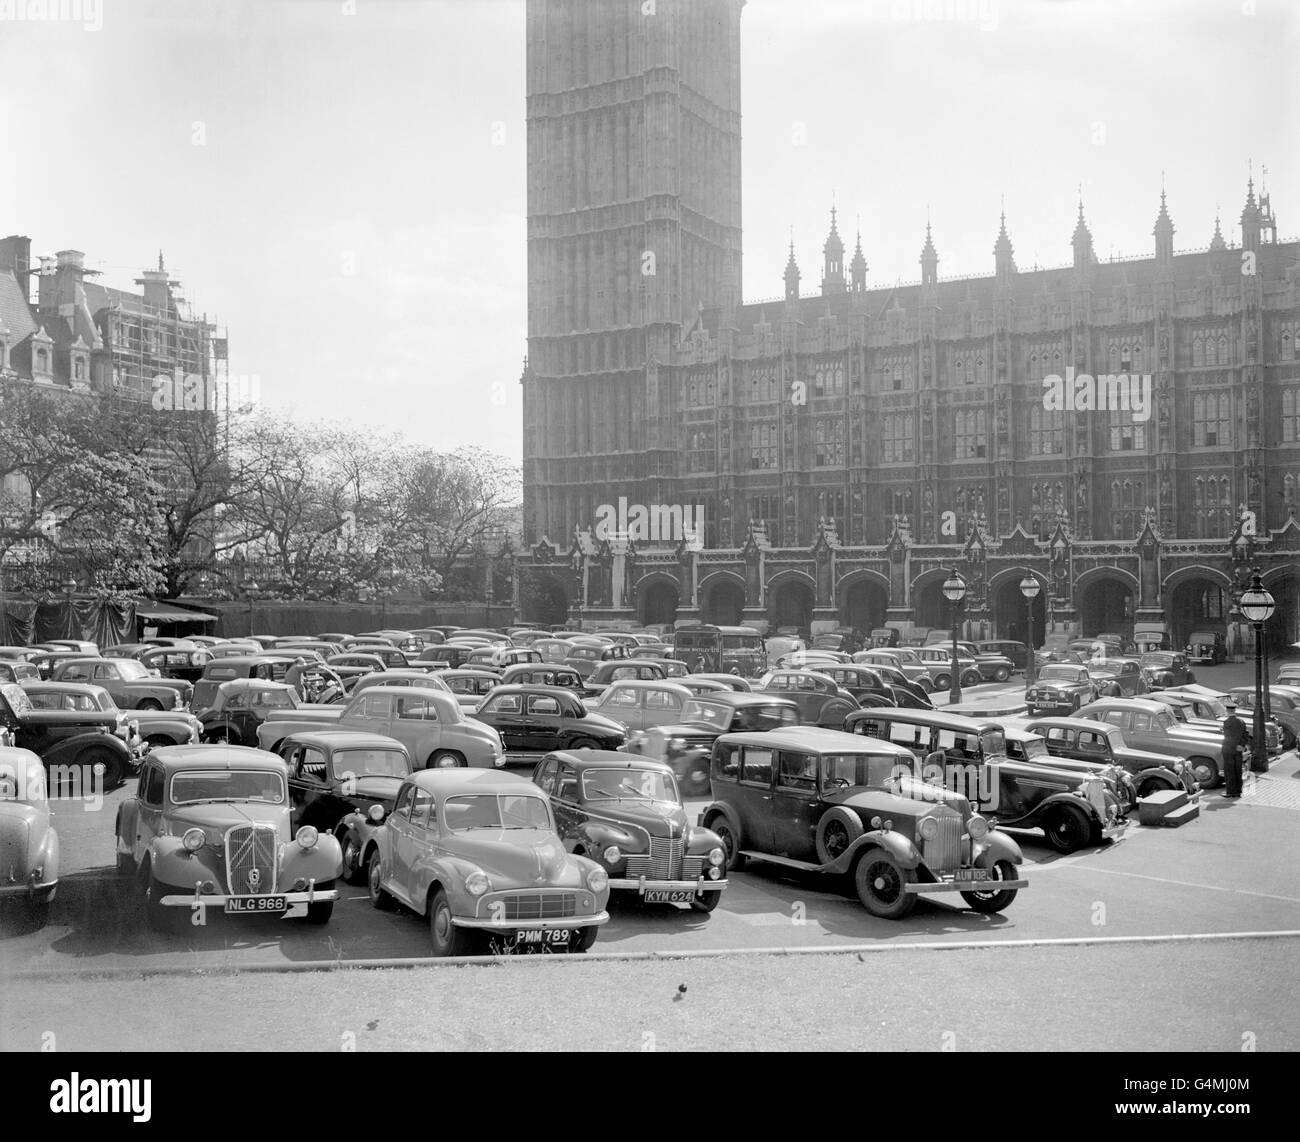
{"x":29,"y":846}
{"x":129,"y":681}
{"x":826,"y":801}
{"x":625,"y":813}
{"x":477,"y":855}
{"x":537,"y":719}
{"x":208,"y":827}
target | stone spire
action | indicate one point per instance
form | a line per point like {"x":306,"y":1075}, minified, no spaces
{"x":833,"y":261}
{"x":1217,"y":242}
{"x":1164,"y":234}
{"x":1003,"y":254}
{"x":791,"y":277}
{"x":858,"y":267}
{"x":929,"y":259}
{"x":1251,"y":217}
{"x":1082,"y":242}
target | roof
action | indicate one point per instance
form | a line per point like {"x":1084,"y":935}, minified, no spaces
{"x":818,"y":739}
{"x":582,"y":759}
{"x":472,"y":780}
{"x":745,"y":697}
{"x":15,"y":313}
{"x":926,"y":717}
{"x":61,"y":687}
{"x":165,"y":612}
{"x":344,"y":739}
{"x":1077,"y":723}
{"x":216,"y":757}
{"x":234,"y":685}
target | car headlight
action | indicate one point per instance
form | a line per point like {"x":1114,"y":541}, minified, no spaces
{"x":676,"y":743}
{"x":307,"y":837}
{"x":178,"y":702}
{"x":477,"y":883}
{"x":929,"y":828}
{"x":193,"y":840}
{"x":597,"y":881}
{"x":716,"y":857}
{"x":612,"y":855}
{"x":977,"y":827}
{"x":446,"y":763}
{"x":375,"y":814}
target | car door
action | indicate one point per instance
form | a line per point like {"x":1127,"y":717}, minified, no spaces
{"x":413,"y":722}
{"x":623,"y":705}
{"x":754,"y":796}
{"x":398,"y":827}
{"x":795,"y":805}
{"x":308,"y":788}
{"x":662,"y":707}
{"x":374,"y":713}
{"x":149,"y":813}
{"x":505,"y":713}
{"x":566,"y":802}
{"x":543,"y":722}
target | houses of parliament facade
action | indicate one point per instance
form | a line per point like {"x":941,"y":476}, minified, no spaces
{"x":847,"y":446}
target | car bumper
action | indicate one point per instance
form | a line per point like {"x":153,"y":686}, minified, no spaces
{"x":213,"y":899}
{"x":1052,"y":705}
{"x":965,"y":886}
{"x":641,"y":885}
{"x":529,"y":925}
{"x":28,"y":889}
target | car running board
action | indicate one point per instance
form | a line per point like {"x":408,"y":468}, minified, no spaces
{"x":789,"y":862}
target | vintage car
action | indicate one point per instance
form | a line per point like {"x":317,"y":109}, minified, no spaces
{"x":46,"y":660}
{"x":1015,"y":652}
{"x":863,"y":682}
{"x":436,"y":732}
{"x":19,"y":653}
{"x":1150,"y":726}
{"x":603,"y":673}
{"x":173,"y":662}
{"x":335,"y":779}
{"x":625,"y":813}
{"x":241,"y":705}
{"x":552,"y":649}
{"x":470,"y":687}
{"x":685,"y":746}
{"x":533,"y":720}
{"x":637,"y":705}
{"x":1085,"y":739}
{"x":150,"y":727}
{"x":1288,"y":675}
{"x":1070,"y":807}
{"x":409,"y":677}
{"x":1027,"y":745}
{"x":404,"y":640}
{"x":268,"y":667}
{"x":130,"y":683}
{"x":390,"y":657}
{"x":1165,"y":669}
{"x":913,"y":671}
{"x":480,"y":859}
{"x":15,"y":670}
{"x":844,"y":639}
{"x":821,"y":700}
{"x":993,"y":667}
{"x":826,"y":801}
{"x":730,"y":681}
{"x":428,"y":635}
{"x":1208,"y":646}
{"x":1206,"y":714}
{"x":697,"y":685}
{"x":502,"y":657}
{"x":208,"y":827}
{"x":1283,"y":703}
{"x":937,"y":659}
{"x":542,"y":674}
{"x":29,"y":846}
{"x":1060,"y":687}
{"x":354,"y":665}
{"x":79,"y":645}
{"x":71,"y":743}
{"x":1116,"y":677}
{"x":677,"y":669}
{"x":906,"y":692}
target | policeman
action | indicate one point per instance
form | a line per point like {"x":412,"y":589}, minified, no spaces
{"x":1235,"y":735}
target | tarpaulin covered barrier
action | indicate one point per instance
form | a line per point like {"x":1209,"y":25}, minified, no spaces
{"x":24,"y":621}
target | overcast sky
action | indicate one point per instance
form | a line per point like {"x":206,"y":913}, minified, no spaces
{"x":345,"y":192}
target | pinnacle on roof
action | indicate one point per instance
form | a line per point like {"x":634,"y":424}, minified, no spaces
{"x":1163,"y":221}
{"x":1081,"y":231}
{"x":928,"y":250}
{"x":791,"y":265}
{"x":859,"y":259}
{"x":1003,"y":243}
{"x":1250,"y":210}
{"x":833,"y":241}
{"x":1217,"y":242}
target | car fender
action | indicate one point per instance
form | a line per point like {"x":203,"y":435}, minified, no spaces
{"x":896,"y":845}
{"x":720,"y":809}
{"x":215,"y":726}
{"x":66,"y":750}
{"x":995,"y":847}
{"x":44,"y":854}
{"x":1066,"y":798}
{"x":450,"y":873}
{"x":599,"y":835}
{"x":124,"y":826}
{"x":172,"y":865}
{"x":323,"y":861}
{"x":173,"y":727}
{"x":1164,"y":775}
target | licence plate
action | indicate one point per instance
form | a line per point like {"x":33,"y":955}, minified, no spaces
{"x":257,"y":904}
{"x":548,"y":936}
{"x":969,"y":874}
{"x":668,"y":896}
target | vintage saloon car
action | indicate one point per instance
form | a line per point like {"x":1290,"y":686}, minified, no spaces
{"x":29,"y":846}
{"x":1165,"y":669}
{"x":533,"y":720}
{"x":1087,"y":740}
{"x":336,"y":778}
{"x":993,"y":666}
{"x":1016,"y":652}
{"x":1116,"y":677}
{"x":130,"y":683}
{"x":639,"y":669}
{"x":1024,"y":744}
{"x":81,"y":739}
{"x":477,"y":855}
{"x":626,"y":813}
{"x":827,"y":801}
{"x":152,"y":727}
{"x":863,"y":682}
{"x":436,"y":732}
{"x":173,"y":662}
{"x":1072,"y":808}
{"x":637,"y":705}
{"x":269,"y":667}
{"x":208,"y":827}
{"x":1206,"y":714}
{"x":1150,"y":726}
{"x":1061,"y":687}
{"x":1283,"y":701}
{"x":14,"y":670}
{"x":243,"y":704}
{"x":821,"y":700}
{"x":542,"y":674}
{"x":1207,"y":646}
{"x":470,"y":687}
{"x":937,"y":659}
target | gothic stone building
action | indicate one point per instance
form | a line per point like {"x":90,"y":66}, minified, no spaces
{"x":848,"y":447}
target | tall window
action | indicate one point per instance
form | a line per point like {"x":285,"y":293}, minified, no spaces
{"x":1127,"y":435}
{"x":762,"y":444}
{"x":702,"y":449}
{"x":1213,"y":507}
{"x":763,"y":384}
{"x":1291,"y":415}
{"x":1046,"y":431}
{"x":1211,"y":427}
{"x":898,"y":438}
{"x":828,"y":436}
{"x":900,"y":504}
{"x":1127,"y":501}
{"x":828,"y":378}
{"x":767,"y":509}
{"x":970,"y":433}
{"x":831,"y":506}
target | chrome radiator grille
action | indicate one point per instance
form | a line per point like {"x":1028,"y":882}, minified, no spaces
{"x":943,"y":852}
{"x":541,"y":906}
{"x":250,"y":859}
{"x":666,"y":861}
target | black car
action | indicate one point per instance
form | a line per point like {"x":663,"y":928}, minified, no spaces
{"x":863,"y":682}
{"x":79,"y":740}
{"x":1017,"y":652}
{"x":1060,"y":688}
{"x":241,"y":705}
{"x":821,"y":700}
{"x":1117,"y":677}
{"x":533,"y":720}
{"x":1166,"y":668}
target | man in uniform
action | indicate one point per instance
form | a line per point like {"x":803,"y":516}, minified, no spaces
{"x":1235,"y":735}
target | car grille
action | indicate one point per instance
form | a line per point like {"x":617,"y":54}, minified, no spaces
{"x":667,"y":860}
{"x":541,"y":906}
{"x":943,"y":852}
{"x":250,"y":859}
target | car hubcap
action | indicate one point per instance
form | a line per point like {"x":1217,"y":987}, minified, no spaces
{"x":836,"y":840}
{"x":374,"y":879}
{"x":442,"y":925}
{"x":884,"y":883}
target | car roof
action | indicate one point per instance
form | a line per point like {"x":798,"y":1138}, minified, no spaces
{"x":531,"y":688}
{"x":745,"y":698}
{"x":471,"y":780}
{"x":669,"y":684}
{"x":470,"y":672}
{"x":1077,"y":723}
{"x":927,"y":717}
{"x":582,"y":759}
{"x":216,"y":757}
{"x":343,"y":739}
{"x":233,"y":685}
{"x":817,"y":740}
{"x":1147,"y":705}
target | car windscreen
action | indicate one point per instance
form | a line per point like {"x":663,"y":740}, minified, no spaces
{"x":190,"y":786}
{"x":274,"y":699}
{"x":130,"y":669}
{"x":1034,"y":749}
{"x":628,"y":785}
{"x":711,"y":713}
{"x":860,"y":769}
{"x":370,"y":763}
{"x":501,"y":811}
{"x":1214,"y":708}
{"x":1061,"y":673}
{"x":1165,"y":719}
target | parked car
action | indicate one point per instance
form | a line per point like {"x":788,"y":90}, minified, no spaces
{"x":410,"y":677}
{"x":130,"y":683}
{"x":821,"y":700}
{"x":1087,"y":739}
{"x":1070,"y":807}
{"x":431,"y":725}
{"x":78,"y":645}
{"x":902,"y":659}
{"x":937,"y":659}
{"x":697,"y":685}
{"x":864,"y":683}
{"x":906,"y":692}
{"x":480,"y":857}
{"x":1283,"y":702}
{"x":993,"y":667}
{"x":1166,"y":668}
{"x":18,"y":671}
{"x":730,"y":681}
{"x":135,"y":727}
{"x":174,"y":662}
{"x":686,"y":745}
{"x":637,"y":705}
{"x":1117,"y":677}
{"x":241,"y":705}
{"x":1289,"y":675}
{"x":470,"y":687}
{"x":542,"y":674}
{"x":70,"y":743}
{"x":1207,"y":646}
{"x":453,"y":655}
{"x":1026,"y":745}
{"x":844,"y":639}
{"x":1016,"y":652}
{"x":208,"y":827}
{"x":1150,"y":726}
{"x":552,"y":649}
{"x":336,"y":774}
{"x":533,"y":720}
{"x":29,"y":844}
{"x":826,"y":801}
{"x":605,"y":673}
{"x":46,"y":660}
{"x":1207,"y":714}
{"x":625,"y":812}
{"x":1060,"y":688}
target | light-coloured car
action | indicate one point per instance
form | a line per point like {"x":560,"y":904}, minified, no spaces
{"x":29,"y":845}
{"x":638,"y":704}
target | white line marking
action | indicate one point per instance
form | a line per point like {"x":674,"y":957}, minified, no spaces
{"x":1192,"y":884}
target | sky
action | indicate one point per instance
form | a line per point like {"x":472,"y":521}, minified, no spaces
{"x":340,"y":183}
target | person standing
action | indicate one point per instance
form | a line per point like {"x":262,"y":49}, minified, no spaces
{"x":1235,"y":735}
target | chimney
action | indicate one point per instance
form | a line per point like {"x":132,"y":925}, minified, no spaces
{"x":157,"y":286}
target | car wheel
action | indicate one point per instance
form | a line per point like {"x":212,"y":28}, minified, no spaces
{"x":837,"y":829}
{"x":881,"y":883}
{"x":1288,"y":738}
{"x":1154,"y":785}
{"x":972,"y":678}
{"x":374,"y":884}
{"x":994,"y":900}
{"x":1001,"y":674}
{"x":707,"y":901}
{"x":321,"y":913}
{"x":354,"y":872}
{"x":125,"y":864}
{"x":926,"y":684}
{"x":111,"y":762}
{"x":730,"y":842}
{"x":1205,"y":771}
{"x":942,"y":682}
{"x":149,"y":704}
{"x":1068,"y":828}
{"x":448,"y":940}
{"x":587,"y":936}
{"x":445,"y":759}
{"x":583,"y":743}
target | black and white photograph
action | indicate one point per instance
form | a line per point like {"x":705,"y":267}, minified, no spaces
{"x":659,"y":526}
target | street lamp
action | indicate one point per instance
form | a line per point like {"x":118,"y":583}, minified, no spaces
{"x":954,"y":590}
{"x":1257,"y":605}
{"x":249,"y":587}
{"x":1029,"y":587}
{"x":69,"y":588}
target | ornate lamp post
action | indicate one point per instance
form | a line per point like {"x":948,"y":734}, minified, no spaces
{"x":1257,"y":605}
{"x":69,"y":588}
{"x":249,"y":589}
{"x":954,"y":590}
{"x":1029,"y":587}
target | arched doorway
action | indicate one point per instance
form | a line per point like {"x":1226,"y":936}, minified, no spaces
{"x":723,"y":600}
{"x":1014,"y":618}
{"x":1284,"y":627}
{"x":1196,"y":602}
{"x":792,"y":605}
{"x":863,"y":605}
{"x":543,"y":599}
{"x":657,"y":603}
{"x":931,"y":608}
{"x":1106,"y":605}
